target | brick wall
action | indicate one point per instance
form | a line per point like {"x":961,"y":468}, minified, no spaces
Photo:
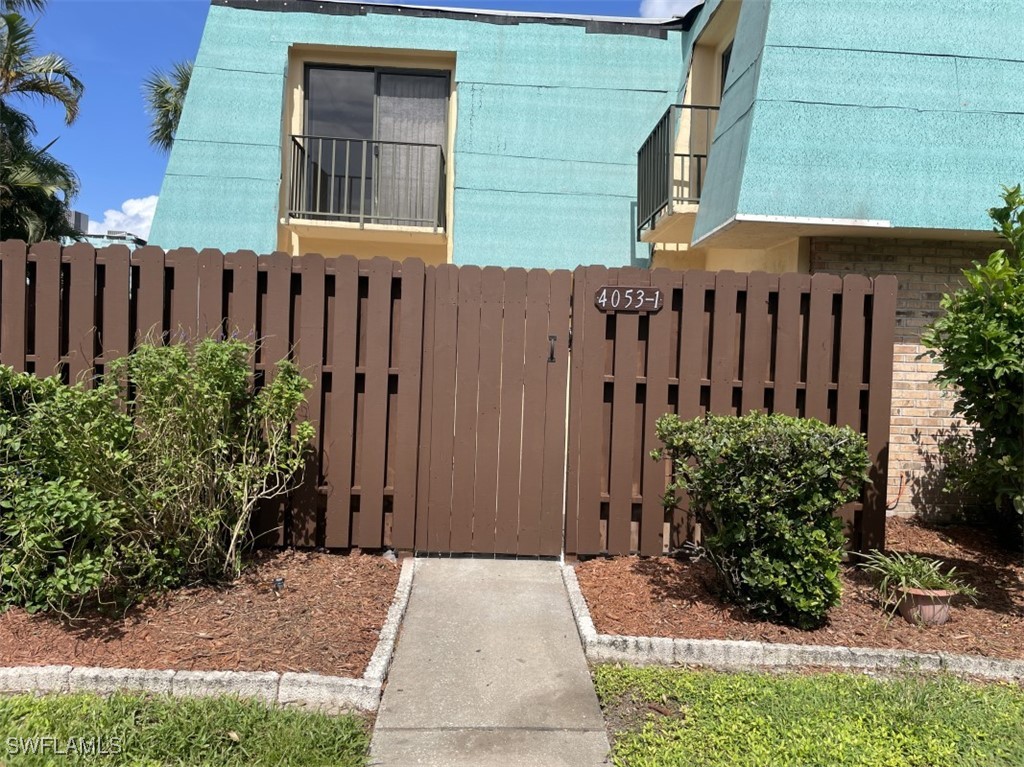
{"x":921,"y":413}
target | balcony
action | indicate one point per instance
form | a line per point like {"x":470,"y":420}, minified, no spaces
{"x":671,"y":168}
{"x":366,"y":184}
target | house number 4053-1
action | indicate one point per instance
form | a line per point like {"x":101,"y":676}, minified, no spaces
{"x":620,"y":298}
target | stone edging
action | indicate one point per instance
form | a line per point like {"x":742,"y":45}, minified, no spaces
{"x":313,"y":691}
{"x":735,"y":654}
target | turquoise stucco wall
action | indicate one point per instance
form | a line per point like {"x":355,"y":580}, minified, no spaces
{"x":549,"y":121}
{"x":907,"y":111}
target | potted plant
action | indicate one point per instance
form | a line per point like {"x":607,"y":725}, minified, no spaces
{"x":916,"y":586}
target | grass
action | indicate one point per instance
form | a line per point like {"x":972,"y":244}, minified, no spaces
{"x":152,"y":731}
{"x":705,"y":719}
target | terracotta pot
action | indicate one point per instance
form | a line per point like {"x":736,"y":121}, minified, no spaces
{"x":928,"y":607}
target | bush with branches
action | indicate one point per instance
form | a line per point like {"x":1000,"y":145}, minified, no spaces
{"x":148,"y":480}
{"x":765,"y":489}
{"x":979,"y":344}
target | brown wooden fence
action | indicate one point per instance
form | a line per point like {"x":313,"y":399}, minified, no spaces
{"x":440,"y":393}
{"x":725,"y":343}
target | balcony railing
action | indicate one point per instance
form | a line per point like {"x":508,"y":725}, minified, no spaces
{"x":363,"y":181}
{"x":672,"y":163}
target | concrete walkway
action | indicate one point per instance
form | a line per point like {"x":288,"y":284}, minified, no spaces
{"x":489,"y":670}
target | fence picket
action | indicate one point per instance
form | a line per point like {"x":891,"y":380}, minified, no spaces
{"x":510,"y":433}
{"x":309,"y":353}
{"x":882,"y":337}
{"x":467,"y":374}
{"x":339,"y":441}
{"x":443,"y":414}
{"x":12,"y":304}
{"x":723,"y":344}
{"x":819,"y":345}
{"x":788,"y":342}
{"x":150,"y":305}
{"x":210,"y":322}
{"x":756,"y":343}
{"x":184,"y":292}
{"x":47,"y":322}
{"x":82,"y":314}
{"x":536,"y":349}
{"x":410,"y":363}
{"x":375,"y":405}
{"x":557,"y":372}
{"x":485,"y":504}
{"x":241,"y":309}
{"x":659,"y":357}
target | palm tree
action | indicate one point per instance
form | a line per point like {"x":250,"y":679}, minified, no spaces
{"x":165,"y":96}
{"x":20,"y":6}
{"x":35,"y":188}
{"x":48,"y":77}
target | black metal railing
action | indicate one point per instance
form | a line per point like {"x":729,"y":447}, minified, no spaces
{"x":673,"y":161}
{"x":365,"y":181}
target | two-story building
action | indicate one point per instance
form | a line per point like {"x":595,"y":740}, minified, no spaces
{"x":862,"y":136}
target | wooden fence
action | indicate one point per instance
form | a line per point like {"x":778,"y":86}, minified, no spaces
{"x":440,"y":393}
{"x":726,"y":343}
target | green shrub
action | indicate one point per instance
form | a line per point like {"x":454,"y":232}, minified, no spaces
{"x":979,"y":343}
{"x":765,"y":489}
{"x":147,"y":481}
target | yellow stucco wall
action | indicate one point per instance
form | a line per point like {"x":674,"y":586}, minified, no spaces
{"x":790,"y":256}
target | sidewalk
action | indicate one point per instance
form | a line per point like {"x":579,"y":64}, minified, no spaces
{"x":489,"y":671}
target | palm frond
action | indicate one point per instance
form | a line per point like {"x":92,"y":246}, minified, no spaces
{"x":164,"y":94}
{"x":49,"y":77}
{"x":20,"y":6}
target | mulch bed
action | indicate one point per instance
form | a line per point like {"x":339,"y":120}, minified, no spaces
{"x":665,"y":597}
{"x":326,"y":621}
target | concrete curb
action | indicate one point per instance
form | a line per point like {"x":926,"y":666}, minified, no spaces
{"x":734,"y":654}
{"x":318,"y":692}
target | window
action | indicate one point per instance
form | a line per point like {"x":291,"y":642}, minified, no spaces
{"x":726,"y":55}
{"x":372,"y":148}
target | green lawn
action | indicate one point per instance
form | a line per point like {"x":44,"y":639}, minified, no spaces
{"x":677,"y":717}
{"x":157,"y":730}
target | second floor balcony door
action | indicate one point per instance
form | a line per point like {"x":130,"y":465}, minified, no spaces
{"x":373,"y":146}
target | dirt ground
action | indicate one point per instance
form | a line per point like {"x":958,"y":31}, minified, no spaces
{"x":669,"y":598}
{"x":326,"y":620}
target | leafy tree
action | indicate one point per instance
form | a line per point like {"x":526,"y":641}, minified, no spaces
{"x":36,"y":189}
{"x":165,"y":96}
{"x":980,"y":346}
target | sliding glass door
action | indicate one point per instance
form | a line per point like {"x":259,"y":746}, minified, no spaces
{"x":373,"y":145}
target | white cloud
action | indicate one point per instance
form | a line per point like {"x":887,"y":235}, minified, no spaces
{"x":665,"y":9}
{"x":135,"y":216}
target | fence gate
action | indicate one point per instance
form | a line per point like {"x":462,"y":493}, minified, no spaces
{"x":493,"y":413}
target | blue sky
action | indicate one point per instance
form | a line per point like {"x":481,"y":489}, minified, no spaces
{"x":115,"y":44}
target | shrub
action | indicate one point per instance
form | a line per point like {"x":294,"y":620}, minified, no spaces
{"x":765,"y":489}
{"x":979,"y":343}
{"x":147,"y":481}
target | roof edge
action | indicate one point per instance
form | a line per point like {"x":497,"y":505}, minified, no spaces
{"x":628,"y":25}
